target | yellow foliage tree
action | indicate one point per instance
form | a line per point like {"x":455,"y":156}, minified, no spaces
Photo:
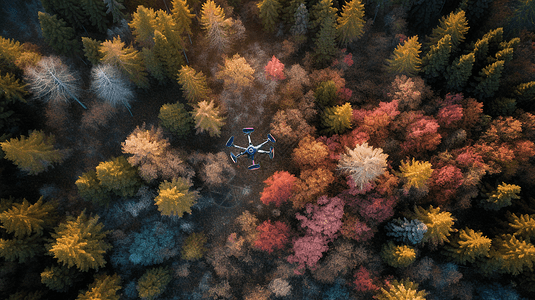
{"x":468,"y":246}
{"x":174,"y":198}
{"x":406,"y":58}
{"x":126,"y":59}
{"x":416,"y":173}
{"x":24,"y":219}
{"x":439,"y":224}
{"x":398,"y":256}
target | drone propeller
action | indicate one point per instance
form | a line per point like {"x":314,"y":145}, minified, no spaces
{"x":230,"y":141}
{"x":254,"y":167}
{"x":248,"y":130}
{"x":271,"y":152}
{"x":233,"y":157}
{"x":271,"y":138}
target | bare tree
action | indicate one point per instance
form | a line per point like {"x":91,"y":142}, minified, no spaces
{"x":111,"y":86}
{"x":52,"y":81}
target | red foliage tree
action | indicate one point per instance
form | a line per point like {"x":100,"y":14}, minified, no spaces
{"x":422,"y":135}
{"x":355,"y":229}
{"x":444,"y":183}
{"x":272,"y":236}
{"x":324,"y":218}
{"x":275,"y":69}
{"x":336,"y":144}
{"x":363,"y":281}
{"x":375,"y":209}
{"x":308,"y":250}
{"x":376,"y":122}
{"x":278,"y":188}
{"x":450,"y":116}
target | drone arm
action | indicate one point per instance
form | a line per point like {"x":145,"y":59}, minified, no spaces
{"x":263,"y":151}
{"x":249,"y":137}
{"x":239,"y":147}
{"x":260,"y":146}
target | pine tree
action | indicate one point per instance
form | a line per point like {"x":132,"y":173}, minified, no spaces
{"x":153,"y":283}
{"x":289,"y":8}
{"x":153,"y":64}
{"x":491,"y":41}
{"x":416,"y":173}
{"x":33,"y":154}
{"x":95,"y":9}
{"x":175,"y":118}
{"x":325,"y":44}
{"x":512,"y":255}
{"x":182,"y":15}
{"x":523,"y":17}
{"x":455,"y":25}
{"x":269,"y":14}
{"x":143,"y":24}
{"x":11,"y":88}
{"x":319,"y":12}
{"x":104,"y":287}
{"x":58,"y":278}
{"x":337,"y":119}
{"x":114,"y":8}
{"x":406,"y":58}
{"x":69,"y":10}
{"x":501,"y":197}
{"x":207,"y":118}
{"x":10,"y":50}
{"x":80,"y":242}
{"x":489,"y":81}
{"x":21,"y":250}
{"x":168,"y":44}
{"x":193,"y":84}
{"x":58,"y":35}
{"x":459,"y":71}
{"x":401,"y":290}
{"x":437,"y":59}
{"x":91,"y":47}
{"x":174,"y":198}
{"x":215,"y":25}
{"x":24,"y":219}
{"x":236,"y":73}
{"x":398,"y":256}
{"x":90,"y":189}
{"x":111,"y":86}
{"x":524,"y":225}
{"x":525,"y":92}
{"x":468,"y":246}
{"x":439,"y":224}
{"x":126,"y":59}
{"x":301,"y":24}
{"x":351,"y":22}
{"x":326,"y":94}
{"x":118,"y":176}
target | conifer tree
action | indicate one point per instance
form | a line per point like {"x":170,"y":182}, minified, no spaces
{"x":401,"y":290}
{"x":90,"y":189}
{"x":11,"y":88}
{"x":289,"y":8}
{"x":24,"y":219}
{"x":459,"y":71}
{"x":91,"y":47}
{"x":114,"y":8}
{"x":502,"y":196}
{"x":455,"y":25}
{"x":79,"y":242}
{"x":351,"y":22}
{"x":126,"y":59}
{"x":468,"y":246}
{"x":439,"y":224}
{"x":523,"y":17}
{"x":69,"y":10}
{"x":236,"y":73}
{"x":153,"y":283}
{"x":525,"y":92}
{"x":174,"y":198}
{"x":269,"y":14}
{"x":10,"y":50}
{"x":143,"y":24}
{"x":168,"y":44}
{"x":492,"y":40}
{"x":153,"y":64}
{"x":489,"y":81}
{"x":320,"y":11}
{"x":58,"y":278}
{"x":512,"y":255}
{"x":207,"y":118}
{"x":325,"y":45}
{"x":175,"y":118}
{"x":524,"y":225}
{"x":32,"y":154}
{"x":193,"y":84}
{"x":118,"y":176}
{"x":301,"y":24}
{"x":437,"y":59}
{"x":406,"y":58}
{"x":96,"y":10}
{"x":182,"y":15}
{"x":21,"y":250}
{"x":215,"y":25}
{"x":58,"y":35}
{"x":104,"y":287}
{"x":337,"y":119}
{"x":398,"y":256}
{"x":416,"y":173}
{"x":111,"y":86}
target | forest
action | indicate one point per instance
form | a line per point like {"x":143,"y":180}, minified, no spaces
{"x":404,"y":156}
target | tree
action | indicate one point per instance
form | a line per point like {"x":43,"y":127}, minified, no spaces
{"x":215,"y":25}
{"x":193,"y":248}
{"x":174,"y":198}
{"x":308,"y":250}
{"x":175,"y":118}
{"x":398,"y":256}
{"x":33,"y":154}
{"x":168,"y":44}
{"x":79,"y":242}
{"x":118,"y":176}
{"x":468,"y":246}
{"x":275,"y":69}
{"x":153,"y":245}
{"x":363,"y":163}
{"x":406,"y":57}
{"x":11,"y":88}
{"x":455,"y":25}
{"x":511,"y":255}
{"x":439,"y":224}
{"x":207,"y":118}
{"x":278,"y":188}
{"x":69,"y":10}
{"x":236,"y":73}
{"x":325,"y":218}
{"x":153,"y":64}
{"x":95,"y":9}
{"x":91,"y":47}
{"x":320,"y":11}
{"x":522,"y":17}
{"x":502,"y":196}
{"x":401,"y":290}
{"x":325,"y":44}
{"x":193,"y":84}
{"x":310,"y":153}
{"x":524,"y":225}
{"x":111,"y":86}
{"x":104,"y":287}
{"x":326,"y":93}
{"x":182,"y":15}
{"x":58,"y":35}
{"x":422,"y":135}
{"x":126,"y":59}
{"x":269,"y":14}
{"x":437,"y":59}
{"x":24,"y":219}
{"x":51,"y":80}
{"x":337,"y":119}
{"x":58,"y":278}
{"x":272,"y":236}
{"x":351,"y":22}
{"x":114,"y":8}
{"x":153,"y":282}
{"x":143,"y":25}
{"x":21,"y":250}
{"x":450,"y":116}
{"x":416,"y":173}
{"x":410,"y":232}
{"x":300,"y":25}
{"x":312,"y":183}
{"x":459,"y":71}
{"x":489,"y":81}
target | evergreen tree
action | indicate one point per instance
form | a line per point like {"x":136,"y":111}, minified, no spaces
{"x":104,"y":287}
{"x":439,"y":224}
{"x":524,"y":225}
{"x":289,"y":10}
{"x":153,"y":64}
{"x":21,"y":250}
{"x":10,"y":51}
{"x":406,"y":58}
{"x":96,"y":10}
{"x":512,"y":255}
{"x":525,"y":92}
{"x":300,"y":26}
{"x":468,"y":246}
{"x":90,"y":189}
{"x":111,"y":86}
{"x":193,"y":84}
{"x":523,"y":17}
{"x":24,"y":219}
{"x":215,"y":25}
{"x":32,"y":154}
{"x":326,"y":94}
{"x":58,"y":35}
{"x":175,"y":118}
{"x":398,"y":256}
{"x":337,"y":119}
{"x":168,"y":53}
{"x":320,"y":11}
{"x":91,"y":47}
{"x":126,"y":59}
{"x":118,"y":176}
{"x":114,"y":8}
{"x":153,"y":283}
{"x":69,"y":10}
{"x":80,"y":242}
{"x":143,"y":24}
{"x":455,"y":25}
{"x":58,"y":278}
{"x":11,"y":88}
{"x":437,"y":59}
{"x":174,"y":198}
{"x":401,"y":290}
{"x":502,"y":196}
{"x":459,"y":71}
{"x":351,"y":22}
{"x":325,"y":45}
{"x":182,"y":16}
{"x":489,"y":81}
{"x":269,"y":14}
{"x":490,"y":42}
{"x":207,"y":118}
{"x":416,"y":173}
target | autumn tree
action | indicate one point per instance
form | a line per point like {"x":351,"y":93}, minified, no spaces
{"x":523,"y":225}
{"x":168,"y":44}
{"x":310,"y":153}
{"x":439,"y":224}
{"x":182,"y":15}
{"x":118,"y":176}
{"x":511,"y":255}
{"x":24,"y":219}
{"x":272,"y":236}
{"x":207,"y":118}
{"x":468,"y":246}
{"x":175,"y":118}
{"x":143,"y":25}
{"x":269,"y":11}
{"x":236,"y":73}
{"x":34,"y":153}
{"x":351,"y":22}
{"x":401,"y":290}
{"x":311,"y":184}
{"x":501,"y":197}
{"x":104,"y":287}
{"x":58,"y":35}
{"x":416,"y":173}
{"x":337,"y":119}
{"x":275,"y":69}
{"x":406,"y":57}
{"x":91,"y":47}
{"x":79,"y":242}
{"x":363,"y":163}
{"x":455,"y":25}
{"x":153,"y":282}
{"x":21,"y":250}
{"x":193,"y":84}
{"x":194,"y":248}
{"x":12,"y":88}
{"x":398,"y":256}
{"x":215,"y":25}
{"x":175,"y":198}
{"x":325,"y":44}
{"x":278,"y":188}
{"x":111,"y":86}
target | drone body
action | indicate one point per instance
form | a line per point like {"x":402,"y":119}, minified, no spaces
{"x":251,"y":150}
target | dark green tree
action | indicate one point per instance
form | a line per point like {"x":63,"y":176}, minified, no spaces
{"x":455,"y":25}
{"x":523,"y":17}
{"x":489,"y":79}
{"x":321,"y":10}
{"x":153,"y":64}
{"x":176,"y":119}
{"x":68,"y":10}
{"x":91,"y":47}
{"x":21,"y":250}
{"x":96,"y":11}
{"x":325,"y":45}
{"x":288,"y":11}
{"x":459,"y":71}
{"x":437,"y":59}
{"x":525,"y":92}
{"x":351,"y":22}
{"x":269,"y":14}
{"x":114,"y":8}
{"x":58,"y":35}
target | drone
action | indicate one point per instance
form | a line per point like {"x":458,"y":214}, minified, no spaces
{"x":251,"y":150}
